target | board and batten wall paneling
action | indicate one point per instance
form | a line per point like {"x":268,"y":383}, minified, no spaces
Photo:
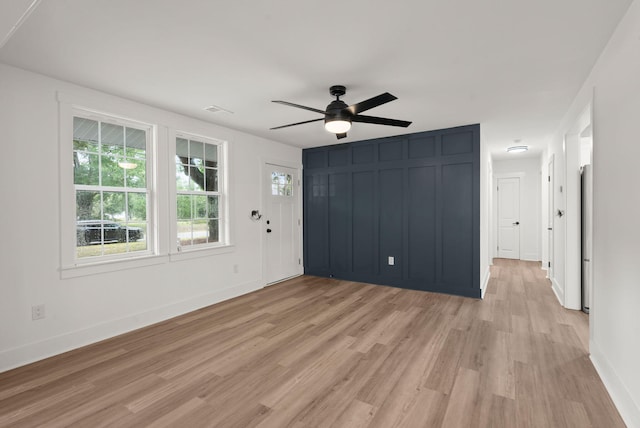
{"x":414,"y":198}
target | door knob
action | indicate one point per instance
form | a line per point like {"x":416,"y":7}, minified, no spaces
{"x":268,"y":230}
{"x":516,"y":223}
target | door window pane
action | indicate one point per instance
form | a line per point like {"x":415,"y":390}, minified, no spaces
{"x":281,"y":184}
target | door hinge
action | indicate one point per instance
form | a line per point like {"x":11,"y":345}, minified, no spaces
{"x":298,"y":222}
{"x":299,"y":262}
{"x":549,"y":177}
{"x":497,"y":188}
{"x":498,"y":248}
{"x":298,"y":183}
{"x":548,"y":264}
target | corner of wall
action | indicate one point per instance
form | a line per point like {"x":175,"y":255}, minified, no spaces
{"x":558,"y":291}
{"x":627,"y":407}
{"x":485,"y":282}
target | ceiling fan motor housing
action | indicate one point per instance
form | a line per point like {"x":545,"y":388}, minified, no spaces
{"x":337,"y":110}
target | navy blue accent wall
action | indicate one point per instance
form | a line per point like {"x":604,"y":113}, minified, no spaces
{"x":413,"y":197}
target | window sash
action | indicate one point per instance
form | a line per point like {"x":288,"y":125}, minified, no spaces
{"x":102,"y":148}
{"x":183,"y":143}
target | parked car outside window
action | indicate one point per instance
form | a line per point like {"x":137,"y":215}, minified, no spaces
{"x":105,"y":232}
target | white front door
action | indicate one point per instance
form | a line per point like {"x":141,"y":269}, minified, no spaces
{"x":281,"y":223}
{"x":509,"y":218}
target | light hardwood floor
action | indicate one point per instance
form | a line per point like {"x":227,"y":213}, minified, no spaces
{"x":314,"y":352}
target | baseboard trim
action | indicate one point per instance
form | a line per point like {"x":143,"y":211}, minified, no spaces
{"x":32,"y":352}
{"x":557,"y":291}
{"x":485,"y":282}
{"x":629,"y":410}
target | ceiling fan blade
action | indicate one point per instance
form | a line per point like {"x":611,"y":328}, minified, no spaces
{"x":380,"y":121}
{"x":299,"y":123}
{"x":343,"y":135}
{"x":371,"y":103}
{"x":287,"y":103}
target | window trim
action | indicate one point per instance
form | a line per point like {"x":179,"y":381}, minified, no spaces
{"x":70,"y":265}
{"x":147,"y":190}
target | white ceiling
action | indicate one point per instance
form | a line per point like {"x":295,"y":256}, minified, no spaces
{"x":513,"y":66}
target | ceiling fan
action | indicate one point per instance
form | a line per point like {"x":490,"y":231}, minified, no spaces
{"x":338,"y":116}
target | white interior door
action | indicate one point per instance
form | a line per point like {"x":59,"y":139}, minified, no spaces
{"x":281,"y":223}
{"x":508,"y":190}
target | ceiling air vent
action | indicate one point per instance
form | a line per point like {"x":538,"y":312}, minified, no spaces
{"x":216,"y":109}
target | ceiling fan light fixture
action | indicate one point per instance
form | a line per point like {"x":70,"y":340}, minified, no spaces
{"x":337,"y":126}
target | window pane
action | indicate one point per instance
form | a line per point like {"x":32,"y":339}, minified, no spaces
{"x":196,"y":153}
{"x":136,"y":176}
{"x":200,"y":231}
{"x":211,"y":180}
{"x":86,"y":168}
{"x":200,"y":206}
{"x":213,"y":233}
{"x":137,"y":224}
{"x":136,"y":143}
{"x":114,"y":206}
{"x":137,"y":208}
{"x":112,"y":139}
{"x":211,"y":155}
{"x":182,"y":150}
{"x":184,"y":207}
{"x":196,"y":178}
{"x":212,"y":206}
{"x":85,"y":135}
{"x":281,"y":184}
{"x":112,"y":173}
{"x":182,"y":178}
{"x":88,"y":205}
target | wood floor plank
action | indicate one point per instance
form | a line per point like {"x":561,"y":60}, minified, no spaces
{"x":356,"y":415}
{"x":318,"y":352}
{"x":464,"y":397}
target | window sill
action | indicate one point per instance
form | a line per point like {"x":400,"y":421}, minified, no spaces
{"x":107,"y":266}
{"x":194,"y":253}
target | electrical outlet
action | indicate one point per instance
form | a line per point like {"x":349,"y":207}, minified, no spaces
{"x":392,"y":260}
{"x":37,"y":312}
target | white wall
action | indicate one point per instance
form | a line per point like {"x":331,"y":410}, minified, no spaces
{"x":90,"y":308}
{"x":528,"y":169}
{"x":614,"y":88}
{"x":486,"y":196}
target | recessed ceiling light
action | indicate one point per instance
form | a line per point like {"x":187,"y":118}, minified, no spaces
{"x":216,"y":109}
{"x":517,"y":149}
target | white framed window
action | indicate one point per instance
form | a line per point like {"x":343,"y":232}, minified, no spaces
{"x":131,"y":189}
{"x":200,"y":193}
{"x":112,"y":162}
